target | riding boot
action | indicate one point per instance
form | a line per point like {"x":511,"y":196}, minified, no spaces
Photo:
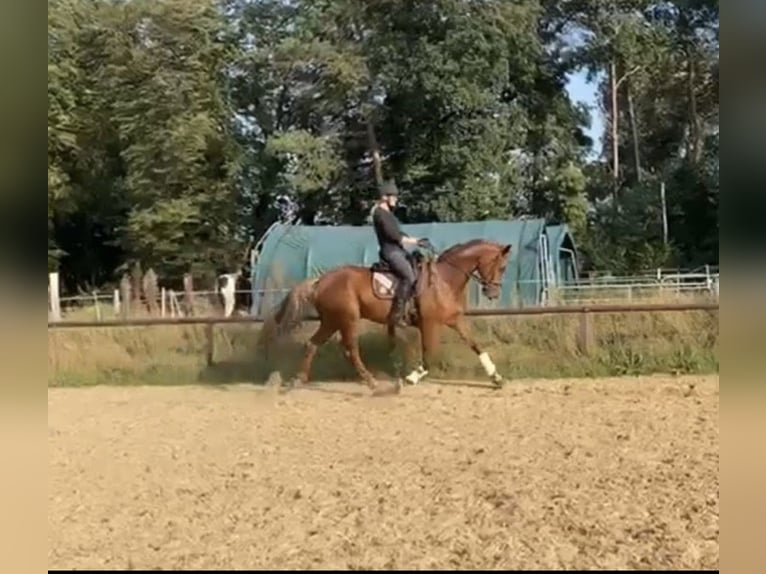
{"x":414,"y":311}
{"x":396,"y":317}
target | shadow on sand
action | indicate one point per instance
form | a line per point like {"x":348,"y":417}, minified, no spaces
{"x":252,"y":364}
{"x":282,"y":362}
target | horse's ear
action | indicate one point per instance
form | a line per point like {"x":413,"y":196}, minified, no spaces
{"x":506,"y":249}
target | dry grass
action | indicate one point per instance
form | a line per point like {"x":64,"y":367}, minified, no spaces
{"x":628,"y":294}
{"x":532,"y":346}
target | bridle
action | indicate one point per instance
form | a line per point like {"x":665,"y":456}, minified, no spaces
{"x":472,"y":274}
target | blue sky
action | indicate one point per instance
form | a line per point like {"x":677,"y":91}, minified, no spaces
{"x":581,"y":91}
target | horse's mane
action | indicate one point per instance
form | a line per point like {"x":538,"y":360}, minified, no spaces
{"x":461,"y":247}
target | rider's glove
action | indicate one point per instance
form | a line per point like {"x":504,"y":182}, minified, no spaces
{"x":425,"y":244}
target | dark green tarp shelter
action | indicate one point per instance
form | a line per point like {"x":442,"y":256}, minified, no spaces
{"x":541,"y":256}
{"x":563,"y":253}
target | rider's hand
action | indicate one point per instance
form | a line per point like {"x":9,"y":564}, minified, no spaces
{"x":425,"y":243}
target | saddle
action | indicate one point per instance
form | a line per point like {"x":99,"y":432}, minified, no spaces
{"x":384,"y":280}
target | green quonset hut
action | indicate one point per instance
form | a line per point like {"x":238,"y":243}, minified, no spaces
{"x":542,"y":256}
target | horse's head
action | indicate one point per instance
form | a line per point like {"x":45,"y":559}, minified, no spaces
{"x":491,"y":264}
{"x":485,"y":261}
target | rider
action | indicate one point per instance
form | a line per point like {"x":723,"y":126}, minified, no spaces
{"x":392,"y":242}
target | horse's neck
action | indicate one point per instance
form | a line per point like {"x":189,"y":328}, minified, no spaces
{"x":456,"y":272}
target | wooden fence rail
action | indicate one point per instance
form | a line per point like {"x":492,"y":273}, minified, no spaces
{"x":559,"y":310}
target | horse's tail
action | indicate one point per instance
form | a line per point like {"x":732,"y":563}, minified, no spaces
{"x":289,"y":314}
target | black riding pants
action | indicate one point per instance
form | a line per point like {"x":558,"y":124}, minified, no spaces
{"x":396,"y":258}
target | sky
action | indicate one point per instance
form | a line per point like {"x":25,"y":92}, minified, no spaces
{"x":581,"y":91}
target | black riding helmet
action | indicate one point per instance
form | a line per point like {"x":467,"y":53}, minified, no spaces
{"x":389,"y":188}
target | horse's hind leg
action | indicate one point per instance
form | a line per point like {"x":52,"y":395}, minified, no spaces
{"x":351,"y":344}
{"x":391,"y":331}
{"x":393,"y":339}
{"x":322,"y":334}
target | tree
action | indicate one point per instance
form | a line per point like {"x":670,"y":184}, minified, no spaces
{"x":178,"y":132}
{"x":142,"y":162}
{"x":168,"y":73}
{"x":661,"y":96}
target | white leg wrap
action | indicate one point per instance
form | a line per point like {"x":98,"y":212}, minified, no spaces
{"x":416,"y":376}
{"x":487,"y":363}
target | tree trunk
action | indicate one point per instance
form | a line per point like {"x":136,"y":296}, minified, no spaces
{"x":634,"y":131}
{"x":374,"y":150}
{"x":695,"y":146}
{"x":614,"y":110}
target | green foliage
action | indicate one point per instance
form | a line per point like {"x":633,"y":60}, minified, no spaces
{"x":178,"y":130}
{"x":666,"y":61}
{"x":627,"y":235}
{"x":142,"y":162}
{"x":311,"y":163}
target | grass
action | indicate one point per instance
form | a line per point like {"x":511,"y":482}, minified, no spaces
{"x":530,"y":346}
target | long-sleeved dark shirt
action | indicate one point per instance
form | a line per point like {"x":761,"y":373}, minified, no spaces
{"x":387,"y":228}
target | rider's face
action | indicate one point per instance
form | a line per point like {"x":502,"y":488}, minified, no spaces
{"x":391,"y":200}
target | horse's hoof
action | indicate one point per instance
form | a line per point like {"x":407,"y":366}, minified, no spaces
{"x":274,"y":380}
{"x":416,"y":376}
{"x":497,"y":380}
{"x":372,"y":384}
{"x":386,"y":390}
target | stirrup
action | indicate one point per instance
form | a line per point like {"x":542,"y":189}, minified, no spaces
{"x":398,"y":320}
{"x":412,"y":314}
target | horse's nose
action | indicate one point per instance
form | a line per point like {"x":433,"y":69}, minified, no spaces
{"x":491,"y":292}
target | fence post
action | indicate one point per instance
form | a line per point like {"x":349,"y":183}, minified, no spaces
{"x":135,"y":286}
{"x":228,"y":292}
{"x":210,"y":344}
{"x":125,"y":289}
{"x":97,"y":306}
{"x":150,"y":290}
{"x":54,"y":296}
{"x":585,"y":335}
{"x":175,"y":309}
{"x":189,"y":294}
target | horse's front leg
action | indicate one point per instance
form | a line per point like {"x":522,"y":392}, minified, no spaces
{"x":489,"y":367}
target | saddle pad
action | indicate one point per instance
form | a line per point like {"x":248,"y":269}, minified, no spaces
{"x":383,"y":284}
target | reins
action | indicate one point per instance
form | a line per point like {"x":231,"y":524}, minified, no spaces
{"x":471,"y":274}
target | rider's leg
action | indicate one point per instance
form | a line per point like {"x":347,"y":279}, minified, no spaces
{"x":397,"y":260}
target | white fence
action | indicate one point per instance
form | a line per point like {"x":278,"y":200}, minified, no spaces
{"x":660,"y":286}
{"x":170,"y":304}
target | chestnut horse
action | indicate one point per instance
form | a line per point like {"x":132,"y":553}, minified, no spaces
{"x":345,"y":295}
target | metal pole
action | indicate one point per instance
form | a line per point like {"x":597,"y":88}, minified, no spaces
{"x":54,"y":295}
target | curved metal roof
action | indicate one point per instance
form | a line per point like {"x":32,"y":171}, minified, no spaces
{"x":292,"y":253}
